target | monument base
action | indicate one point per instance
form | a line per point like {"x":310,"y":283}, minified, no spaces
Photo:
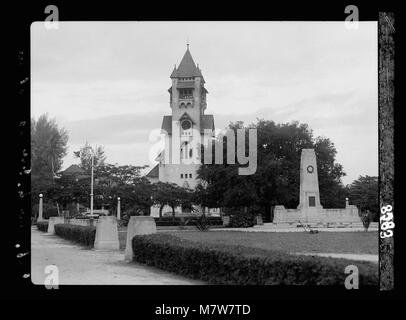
{"x":316,"y":215}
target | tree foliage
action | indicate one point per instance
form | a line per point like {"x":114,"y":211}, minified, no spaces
{"x":363,"y":193}
{"x":48,"y":148}
{"x":277,"y":178}
{"x":85,"y":156}
{"x":170,"y":194}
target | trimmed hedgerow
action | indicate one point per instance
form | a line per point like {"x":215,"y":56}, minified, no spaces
{"x":81,"y":234}
{"x":42,"y":226}
{"x":191,"y":221}
{"x":242,"y":220}
{"x":237,"y":265}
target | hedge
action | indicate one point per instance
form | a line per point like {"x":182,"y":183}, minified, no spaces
{"x":48,"y":210}
{"x":177,"y":221}
{"x":42,"y":226}
{"x":237,"y":265}
{"x":242,"y":220}
{"x":82,"y":234}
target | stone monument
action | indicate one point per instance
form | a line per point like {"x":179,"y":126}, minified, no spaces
{"x":310,"y":209}
{"x":309,"y":196}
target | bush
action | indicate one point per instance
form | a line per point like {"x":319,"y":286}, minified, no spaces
{"x":42,"y":226}
{"x":202,"y":223}
{"x":242,"y":220}
{"x":237,"y":265}
{"x":81,"y":234}
{"x":366,"y":217}
{"x":181,"y":221}
{"x":48,"y":210}
{"x":133,"y":211}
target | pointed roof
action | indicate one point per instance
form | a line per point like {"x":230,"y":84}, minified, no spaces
{"x":185,"y":116}
{"x":154,"y":173}
{"x":73,"y":169}
{"x":187,"y":67}
{"x":206,"y":122}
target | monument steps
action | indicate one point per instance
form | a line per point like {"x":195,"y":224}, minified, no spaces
{"x":271,"y":225}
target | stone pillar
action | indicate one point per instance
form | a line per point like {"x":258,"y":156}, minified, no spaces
{"x":136,"y":226}
{"x":40,"y":208}
{"x":118,"y":209}
{"x":106,"y":234}
{"x":52,"y":222}
{"x":309,"y":183}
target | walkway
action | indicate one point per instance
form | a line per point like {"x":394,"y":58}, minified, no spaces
{"x":80,"y":266}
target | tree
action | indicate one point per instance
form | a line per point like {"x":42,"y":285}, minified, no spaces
{"x":85,"y":156}
{"x":48,"y":148}
{"x":68,"y":190}
{"x":169,"y":194}
{"x":201,"y":196}
{"x":363,"y":192}
{"x":332,"y":191}
{"x":277,"y":178}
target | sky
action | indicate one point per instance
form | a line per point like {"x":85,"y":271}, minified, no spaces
{"x":106,"y":82}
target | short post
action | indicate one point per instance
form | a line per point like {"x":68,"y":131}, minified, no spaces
{"x":52,"y":222}
{"x":259,"y":220}
{"x":118,"y":209}
{"x":40,"y":208}
{"x":346,"y":202}
{"x":106,"y":234}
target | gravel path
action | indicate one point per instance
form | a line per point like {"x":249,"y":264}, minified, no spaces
{"x":80,"y":266}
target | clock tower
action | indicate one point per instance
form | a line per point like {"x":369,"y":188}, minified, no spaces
{"x":186,"y":127}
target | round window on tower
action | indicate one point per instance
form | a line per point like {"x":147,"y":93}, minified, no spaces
{"x":186,"y":125}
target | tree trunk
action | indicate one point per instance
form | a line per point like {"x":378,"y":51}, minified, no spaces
{"x":173,"y":213}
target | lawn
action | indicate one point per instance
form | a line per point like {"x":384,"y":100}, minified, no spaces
{"x":291,"y":242}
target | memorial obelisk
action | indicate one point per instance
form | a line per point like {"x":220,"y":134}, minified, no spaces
{"x":309,"y":199}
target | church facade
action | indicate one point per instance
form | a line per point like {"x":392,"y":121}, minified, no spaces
{"x":185,"y":128}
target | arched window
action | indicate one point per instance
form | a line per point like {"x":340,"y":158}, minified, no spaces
{"x":185,"y":152}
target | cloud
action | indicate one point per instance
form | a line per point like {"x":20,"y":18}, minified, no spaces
{"x":106,"y":82}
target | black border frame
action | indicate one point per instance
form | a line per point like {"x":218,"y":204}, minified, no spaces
{"x":22,"y":287}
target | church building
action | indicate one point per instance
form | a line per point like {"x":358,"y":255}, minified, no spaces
{"x":185,"y":128}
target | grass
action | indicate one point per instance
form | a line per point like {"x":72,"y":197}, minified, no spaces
{"x":323,"y":242}
{"x":238,"y":264}
{"x":291,"y":242}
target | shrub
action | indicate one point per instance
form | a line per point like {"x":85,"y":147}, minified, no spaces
{"x":133,"y":211}
{"x":42,"y":226}
{"x":366,"y":217}
{"x":242,"y":220}
{"x":201,"y":222}
{"x":192,"y":220}
{"x":81,"y":234}
{"x":237,"y":265}
{"x":48,"y":210}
